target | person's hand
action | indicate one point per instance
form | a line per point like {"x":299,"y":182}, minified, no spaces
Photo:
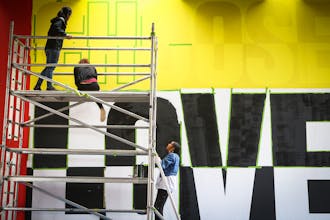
{"x":68,"y":36}
{"x":158,"y":160}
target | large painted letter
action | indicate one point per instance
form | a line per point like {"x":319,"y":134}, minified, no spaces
{"x":289,"y":113}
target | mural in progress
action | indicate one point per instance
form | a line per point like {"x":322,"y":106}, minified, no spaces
{"x":264,"y":151}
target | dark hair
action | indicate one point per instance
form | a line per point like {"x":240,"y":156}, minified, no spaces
{"x":177,"y":147}
{"x":65,"y":12}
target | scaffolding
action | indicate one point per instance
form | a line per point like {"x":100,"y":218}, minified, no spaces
{"x":15,"y":122}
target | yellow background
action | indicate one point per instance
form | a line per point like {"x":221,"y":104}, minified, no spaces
{"x":204,"y":44}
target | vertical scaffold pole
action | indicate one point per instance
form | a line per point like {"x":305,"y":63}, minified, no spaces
{"x":4,"y":154}
{"x":152,"y":126}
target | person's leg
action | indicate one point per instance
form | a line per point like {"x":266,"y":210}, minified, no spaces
{"x":43,"y":73}
{"x":160,"y":201}
{"x":52,"y":58}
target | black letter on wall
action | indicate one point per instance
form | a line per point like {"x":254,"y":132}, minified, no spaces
{"x":263,"y":199}
{"x":202,"y":130}
{"x":245,"y":123}
{"x":168,"y":129}
{"x":290,"y":112}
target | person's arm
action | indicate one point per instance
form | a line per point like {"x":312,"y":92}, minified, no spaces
{"x":167,"y":161}
{"x":76,"y":76}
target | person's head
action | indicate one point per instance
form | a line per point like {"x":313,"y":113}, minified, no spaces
{"x":65,"y":13}
{"x":173,"y":147}
{"x":82,"y":61}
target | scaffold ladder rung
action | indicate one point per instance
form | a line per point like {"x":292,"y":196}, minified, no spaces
{"x":59,"y":151}
{"x":77,"y":179}
{"x":140,"y":211}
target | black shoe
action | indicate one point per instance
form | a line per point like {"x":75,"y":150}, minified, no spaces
{"x":51,"y":89}
{"x":36,"y":88}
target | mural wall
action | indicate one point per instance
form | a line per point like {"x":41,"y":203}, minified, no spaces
{"x":205,"y":44}
{"x":264,"y":152}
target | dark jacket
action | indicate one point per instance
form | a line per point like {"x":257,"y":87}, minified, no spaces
{"x":57,"y":28}
{"x":82,"y":73}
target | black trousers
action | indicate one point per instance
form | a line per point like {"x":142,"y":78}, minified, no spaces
{"x":90,"y":87}
{"x":160,"y":201}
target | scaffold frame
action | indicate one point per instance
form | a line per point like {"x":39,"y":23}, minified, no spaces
{"x":18,"y":96}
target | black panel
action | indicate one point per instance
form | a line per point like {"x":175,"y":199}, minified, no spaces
{"x":202,"y":130}
{"x":168,"y":129}
{"x":290,"y":112}
{"x":189,"y":209}
{"x":140,"y":193}
{"x":263,"y":199}
{"x":245,"y":124}
{"x":319,"y":196}
{"x":90,"y":195}
{"x":28,"y":196}
{"x":50,"y":137}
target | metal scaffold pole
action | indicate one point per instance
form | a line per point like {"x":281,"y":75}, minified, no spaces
{"x":152,"y":129}
{"x":4,"y":154}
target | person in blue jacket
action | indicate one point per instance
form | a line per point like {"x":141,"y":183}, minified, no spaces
{"x":54,"y":46}
{"x":170,"y":164}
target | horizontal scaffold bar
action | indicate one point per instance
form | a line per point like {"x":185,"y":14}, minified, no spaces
{"x":99,"y":48}
{"x":109,"y":73}
{"x":59,"y":151}
{"x":82,"y":126}
{"x":65,"y":96}
{"x":140,"y":211}
{"x":86,"y":37}
{"x":77,"y":179}
{"x":80,"y":65}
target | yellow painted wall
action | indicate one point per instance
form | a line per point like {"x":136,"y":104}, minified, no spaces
{"x":204,"y":44}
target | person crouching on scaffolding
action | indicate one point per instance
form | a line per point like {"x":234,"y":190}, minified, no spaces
{"x":53,"y":46}
{"x":170,"y":164}
{"x":85,"y":78}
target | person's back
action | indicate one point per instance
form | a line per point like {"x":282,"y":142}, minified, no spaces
{"x":85,"y":78}
{"x":57,"y":29}
{"x":84,"y":73}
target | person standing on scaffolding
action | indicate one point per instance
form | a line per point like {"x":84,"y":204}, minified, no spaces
{"x":54,"y":46}
{"x":170,"y":164}
{"x":85,"y":78}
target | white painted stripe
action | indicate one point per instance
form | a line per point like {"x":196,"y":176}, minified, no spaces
{"x":195,"y":91}
{"x":291,"y":192}
{"x":318,"y":136}
{"x":222,"y":100}
{"x":265,"y":153}
{"x":248,"y":91}
{"x":41,"y":200}
{"x":85,"y":138}
{"x":214,"y":199}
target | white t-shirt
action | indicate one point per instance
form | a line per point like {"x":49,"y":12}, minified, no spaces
{"x":171,"y":180}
